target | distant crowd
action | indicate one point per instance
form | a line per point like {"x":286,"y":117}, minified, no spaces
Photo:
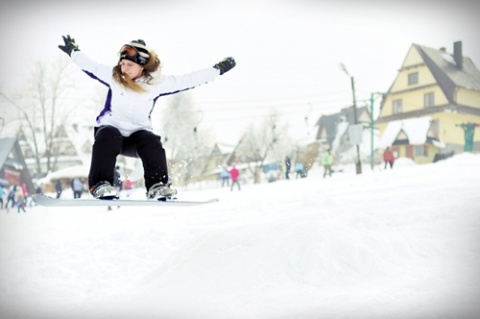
{"x":230,"y":176}
{"x":17,"y":196}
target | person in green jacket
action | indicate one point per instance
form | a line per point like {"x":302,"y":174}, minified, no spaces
{"x":327,"y":162}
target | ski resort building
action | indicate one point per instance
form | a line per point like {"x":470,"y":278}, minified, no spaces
{"x":433,"y":100}
{"x":13,"y":169}
{"x":430,"y":111}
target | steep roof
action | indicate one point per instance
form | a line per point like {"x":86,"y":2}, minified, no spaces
{"x":331,"y":121}
{"x":6,"y":145}
{"x":415,"y":129}
{"x":10,"y":145}
{"x":448,"y":74}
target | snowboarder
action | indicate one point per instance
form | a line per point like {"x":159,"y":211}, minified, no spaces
{"x":124,"y":125}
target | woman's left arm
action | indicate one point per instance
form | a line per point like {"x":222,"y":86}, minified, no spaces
{"x":172,"y":84}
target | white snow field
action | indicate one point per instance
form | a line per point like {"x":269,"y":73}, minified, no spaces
{"x":401,"y":243}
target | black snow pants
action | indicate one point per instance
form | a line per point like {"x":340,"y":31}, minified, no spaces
{"x":109,"y":143}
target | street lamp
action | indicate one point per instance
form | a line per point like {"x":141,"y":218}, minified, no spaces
{"x":372,"y":122}
{"x":358,"y":164}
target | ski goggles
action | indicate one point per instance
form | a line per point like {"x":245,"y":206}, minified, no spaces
{"x":137,"y":55}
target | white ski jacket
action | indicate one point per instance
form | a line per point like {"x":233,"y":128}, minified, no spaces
{"x":130,"y":111}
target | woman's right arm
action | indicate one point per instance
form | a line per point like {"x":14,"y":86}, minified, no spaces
{"x":100,"y":72}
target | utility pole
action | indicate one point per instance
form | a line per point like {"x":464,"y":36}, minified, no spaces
{"x":358,"y":164}
{"x":372,"y":128}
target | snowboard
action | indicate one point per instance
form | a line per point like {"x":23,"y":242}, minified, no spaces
{"x":54,"y":202}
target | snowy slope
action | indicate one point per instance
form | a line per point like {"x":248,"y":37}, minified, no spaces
{"x":400,"y":243}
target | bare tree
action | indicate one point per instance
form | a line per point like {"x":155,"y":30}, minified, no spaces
{"x":182,"y":137}
{"x":39,"y":109}
{"x":267,"y":141}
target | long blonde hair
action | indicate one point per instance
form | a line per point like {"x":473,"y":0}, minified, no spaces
{"x":153,"y":65}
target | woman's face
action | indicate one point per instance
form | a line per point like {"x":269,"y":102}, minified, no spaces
{"x":131,"y":69}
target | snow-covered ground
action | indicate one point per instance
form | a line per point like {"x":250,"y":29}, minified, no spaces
{"x":401,"y":243}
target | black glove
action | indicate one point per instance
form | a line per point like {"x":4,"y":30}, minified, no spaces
{"x":225,"y":65}
{"x":69,"y":46}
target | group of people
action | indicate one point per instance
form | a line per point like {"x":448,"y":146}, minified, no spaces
{"x":299,"y":168}
{"x":17,"y":196}
{"x":327,"y":163}
{"x":76,"y":184}
{"x":78,"y":187}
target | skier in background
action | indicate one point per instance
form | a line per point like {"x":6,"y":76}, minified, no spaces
{"x":1,"y":195}
{"x":20,"y":199}
{"x":388,"y":158}
{"x":327,"y":162}
{"x":117,"y":182}
{"x":300,"y":170}
{"x":58,"y":188}
{"x":11,"y":196}
{"x":128,"y":185}
{"x":225,"y":176}
{"x":288,"y":165}
{"x":77,"y":187}
{"x":234,"y":175}
{"x":117,"y":179}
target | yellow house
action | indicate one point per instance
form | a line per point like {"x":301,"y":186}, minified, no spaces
{"x":439,"y":92}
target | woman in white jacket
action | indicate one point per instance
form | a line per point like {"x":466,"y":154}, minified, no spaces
{"x":124,"y":125}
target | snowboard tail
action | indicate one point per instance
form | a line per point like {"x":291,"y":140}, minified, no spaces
{"x":54,"y":202}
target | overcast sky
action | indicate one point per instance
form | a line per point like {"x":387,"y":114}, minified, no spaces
{"x":288,"y":52}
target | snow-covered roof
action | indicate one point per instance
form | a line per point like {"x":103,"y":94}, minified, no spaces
{"x":70,"y":172}
{"x":415,"y":129}
{"x":225,"y":148}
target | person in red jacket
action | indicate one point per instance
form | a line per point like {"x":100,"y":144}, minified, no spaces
{"x":234,"y":175}
{"x":388,"y":158}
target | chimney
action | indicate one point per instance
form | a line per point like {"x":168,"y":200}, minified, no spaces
{"x":457,"y":54}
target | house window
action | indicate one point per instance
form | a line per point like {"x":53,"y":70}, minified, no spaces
{"x":412,"y":78}
{"x":420,"y":150}
{"x":429,"y":99}
{"x":397,"y":106}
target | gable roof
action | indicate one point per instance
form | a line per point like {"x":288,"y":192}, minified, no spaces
{"x":6,"y":145}
{"x":10,"y":145}
{"x":416,"y":130}
{"x":329,"y":123}
{"x":447,"y":72}
{"x":78,"y":137}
